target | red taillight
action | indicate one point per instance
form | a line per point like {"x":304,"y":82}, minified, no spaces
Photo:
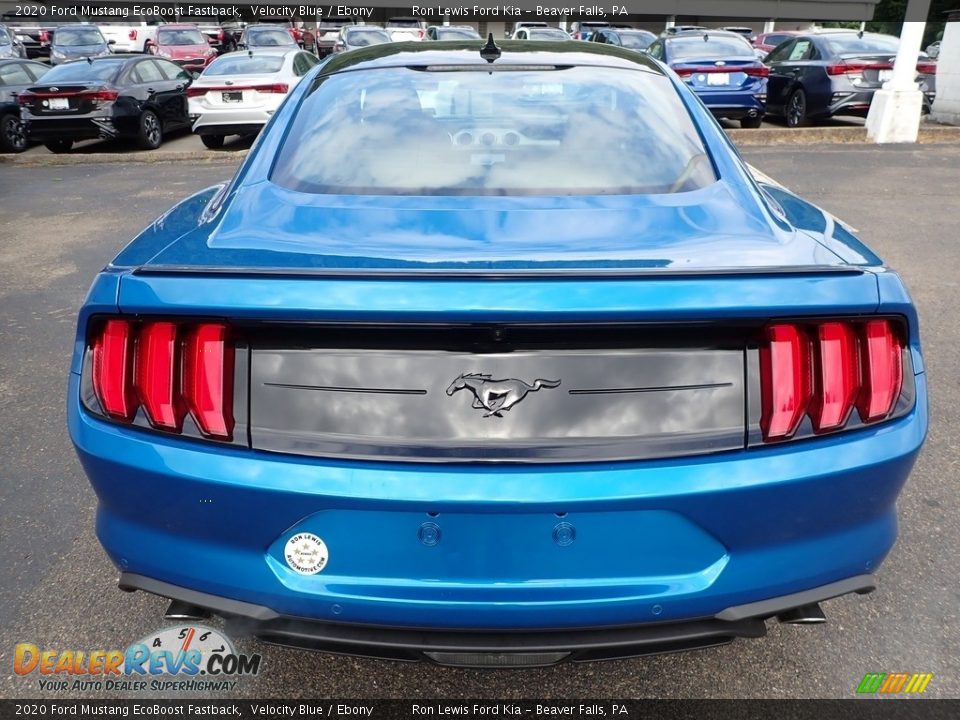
{"x":420,"y":34}
{"x":927,"y":68}
{"x":196,"y":91}
{"x":25,"y":98}
{"x":836,"y":376}
{"x":157,"y":375}
{"x":112,"y":370}
{"x":826,"y":369}
{"x":99,"y":95}
{"x":882,"y":370}
{"x":221,"y":35}
{"x":168,"y":368}
{"x":758,"y":71}
{"x":785,"y":386}
{"x":281,"y":88}
{"x":132,"y":35}
{"x":44,"y":36}
{"x":845,"y":68}
{"x":762,"y":71}
{"x":208,"y":379}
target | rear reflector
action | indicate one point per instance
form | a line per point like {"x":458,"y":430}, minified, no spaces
{"x":882,"y":371}
{"x":837,"y":376}
{"x":157,"y":375}
{"x":112,"y":371}
{"x":208,"y":379}
{"x":826,"y":369}
{"x":785,"y":369}
{"x":169,"y":369}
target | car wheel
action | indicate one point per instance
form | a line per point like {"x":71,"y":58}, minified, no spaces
{"x":151,"y":134}
{"x":13,"y":138}
{"x":751,"y":122}
{"x":796,"y":111}
{"x":212,"y":141}
{"x":58,"y":146}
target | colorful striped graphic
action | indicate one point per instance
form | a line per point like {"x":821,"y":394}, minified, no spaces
{"x":893,"y":683}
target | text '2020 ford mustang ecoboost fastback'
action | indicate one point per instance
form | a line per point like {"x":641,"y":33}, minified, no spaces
{"x":415,"y":385}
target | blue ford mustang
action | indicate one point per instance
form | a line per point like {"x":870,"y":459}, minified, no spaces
{"x":412,"y":385}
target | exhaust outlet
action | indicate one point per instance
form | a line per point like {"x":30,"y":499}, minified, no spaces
{"x":180,"y":610}
{"x":804,"y":615}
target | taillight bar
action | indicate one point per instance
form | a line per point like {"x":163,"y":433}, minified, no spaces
{"x":28,"y":97}
{"x":823,"y":370}
{"x":845,"y":68}
{"x":170,"y":369}
{"x":281,"y":88}
{"x":752,"y":71}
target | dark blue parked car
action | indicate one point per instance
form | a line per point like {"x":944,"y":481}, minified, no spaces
{"x":71,"y":42}
{"x":817,"y":76}
{"x":721,"y":68}
{"x":497,"y":408}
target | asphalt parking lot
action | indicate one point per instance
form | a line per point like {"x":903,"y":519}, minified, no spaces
{"x":60,"y":224}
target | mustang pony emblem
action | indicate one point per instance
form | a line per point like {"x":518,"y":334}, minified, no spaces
{"x":495,"y":396}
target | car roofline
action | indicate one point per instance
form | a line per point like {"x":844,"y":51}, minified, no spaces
{"x":466,"y":53}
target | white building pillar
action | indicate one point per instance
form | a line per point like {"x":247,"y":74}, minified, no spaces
{"x":946,"y":106}
{"x":769,"y":25}
{"x":895,"y":110}
{"x":446,"y":18}
{"x":671,"y":21}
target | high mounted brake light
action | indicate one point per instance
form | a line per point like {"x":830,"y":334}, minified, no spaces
{"x":824,"y":370}
{"x":169,"y":369}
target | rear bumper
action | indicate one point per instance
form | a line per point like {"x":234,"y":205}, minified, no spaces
{"x":660,"y":541}
{"x":88,"y":127}
{"x":487,"y":648}
{"x":229,"y":121}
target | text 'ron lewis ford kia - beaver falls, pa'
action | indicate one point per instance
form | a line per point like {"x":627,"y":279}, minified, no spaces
{"x":413,"y":385}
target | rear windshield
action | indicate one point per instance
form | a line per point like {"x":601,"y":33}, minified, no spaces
{"x":497,"y":131}
{"x":637,"y":41}
{"x":243,"y":64}
{"x":547,"y":34}
{"x":181,"y":37}
{"x":75,"y":37}
{"x":867,"y":45}
{"x":365,"y":37}
{"x":81,"y":70}
{"x":403,"y":23}
{"x":270,"y":38}
{"x":713,"y":46}
{"x":457,"y":33}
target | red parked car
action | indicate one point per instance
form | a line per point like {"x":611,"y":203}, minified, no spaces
{"x":768,"y":41}
{"x":184,"y":45}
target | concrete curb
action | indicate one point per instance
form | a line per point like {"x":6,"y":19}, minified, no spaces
{"x":156,"y":156}
{"x":929,"y":135}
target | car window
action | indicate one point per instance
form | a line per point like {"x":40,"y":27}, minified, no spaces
{"x":270,"y":38}
{"x":781,"y":52}
{"x":77,"y":37}
{"x":458,"y":34}
{"x":171,"y":71}
{"x":147,"y":72}
{"x":14,"y":74}
{"x":866,"y":45}
{"x":100,"y":70}
{"x":364,"y":37}
{"x":300,"y":65}
{"x":656,"y":49}
{"x":636,"y":40}
{"x":493,"y":133}
{"x":180,"y":36}
{"x":775,"y":39}
{"x":708,"y":47}
{"x":5,"y":37}
{"x":800,"y":51}
{"x":36,"y":69}
{"x":243,"y":64}
{"x":547,"y":34}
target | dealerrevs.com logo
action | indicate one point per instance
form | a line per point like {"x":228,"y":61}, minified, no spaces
{"x":184,"y":658}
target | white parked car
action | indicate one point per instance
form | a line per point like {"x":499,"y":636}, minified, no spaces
{"x":136,"y":37}
{"x":405,"y":29}
{"x":239,"y":92}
